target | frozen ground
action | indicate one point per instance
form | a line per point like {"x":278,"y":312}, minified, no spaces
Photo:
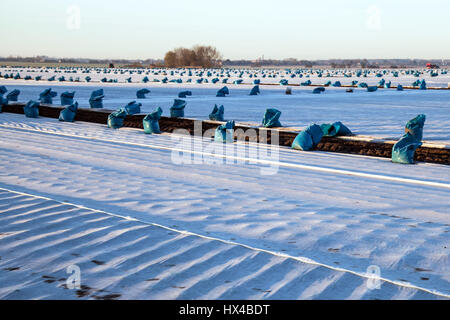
{"x":212,"y":231}
{"x":382,"y":114}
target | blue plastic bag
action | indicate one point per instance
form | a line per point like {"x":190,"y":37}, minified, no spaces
{"x":3,"y":90}
{"x":140,"y":94}
{"x":217,"y":113}
{"x":271,"y":118}
{"x":223,"y":92}
{"x":115,"y":119}
{"x":96,"y":99}
{"x":67,"y":98}
{"x":47,"y":96}
{"x":308,"y":138}
{"x":68,"y":114}
{"x":224,"y":133}
{"x":335,"y":129}
{"x":422,"y":85}
{"x":184,"y":94}
{"x":133,"y":108}
{"x":151,"y":122}
{"x":3,"y":102}
{"x":399,"y":87}
{"x":403,"y":151}
{"x":372,"y":88}
{"x":31,"y":109}
{"x":13,"y":95}
{"x":254,"y":91}
{"x":318,"y":90}
{"x":177,"y":110}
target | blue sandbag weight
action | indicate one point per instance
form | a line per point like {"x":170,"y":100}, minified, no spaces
{"x":68,"y":114}
{"x":67,"y":98}
{"x":177,"y":110}
{"x":271,"y":118}
{"x":217,"y":113}
{"x":308,"y":138}
{"x":403,"y":151}
{"x":31,"y":109}
{"x":224,"y":133}
{"x":151,"y":122}
{"x":115,"y":119}
{"x":140,"y":94}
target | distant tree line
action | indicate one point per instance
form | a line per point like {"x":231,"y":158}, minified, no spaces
{"x":198,"y":56}
{"x":209,"y":57}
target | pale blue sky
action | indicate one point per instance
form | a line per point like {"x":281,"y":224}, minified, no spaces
{"x":238,"y":28}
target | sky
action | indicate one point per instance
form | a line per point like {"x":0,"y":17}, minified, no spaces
{"x":239,"y":29}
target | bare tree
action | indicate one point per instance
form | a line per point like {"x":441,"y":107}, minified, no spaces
{"x":199,"y":56}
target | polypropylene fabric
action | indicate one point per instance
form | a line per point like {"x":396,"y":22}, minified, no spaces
{"x":151,"y":122}
{"x":115,"y":119}
{"x":217,"y":113}
{"x":68,"y":114}
{"x":31,"y":109}
{"x":403,"y":151}
{"x":308,"y":139}
{"x":225,"y":132}
{"x":177,"y":110}
{"x":271,"y":118}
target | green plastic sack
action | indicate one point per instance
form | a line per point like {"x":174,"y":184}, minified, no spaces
{"x":403,"y":151}
{"x":115,"y":119}
{"x":67,"y":98}
{"x":318,"y":90}
{"x":223,"y":92}
{"x":31,"y":109}
{"x":151,"y":122}
{"x":177,"y":110}
{"x":47,"y":96}
{"x":255,"y":91}
{"x":13,"y":95}
{"x":271,"y":118}
{"x":133,"y":108}
{"x":140,"y":94}
{"x":3,"y":102}
{"x":217,"y":113}
{"x":96,"y":99}
{"x":308,"y":138}
{"x":68,"y":114}
{"x":335,"y":129}
{"x":224,"y":133}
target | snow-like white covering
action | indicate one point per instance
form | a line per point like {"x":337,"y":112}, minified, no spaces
{"x":381,"y":114}
{"x":309,"y":231}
